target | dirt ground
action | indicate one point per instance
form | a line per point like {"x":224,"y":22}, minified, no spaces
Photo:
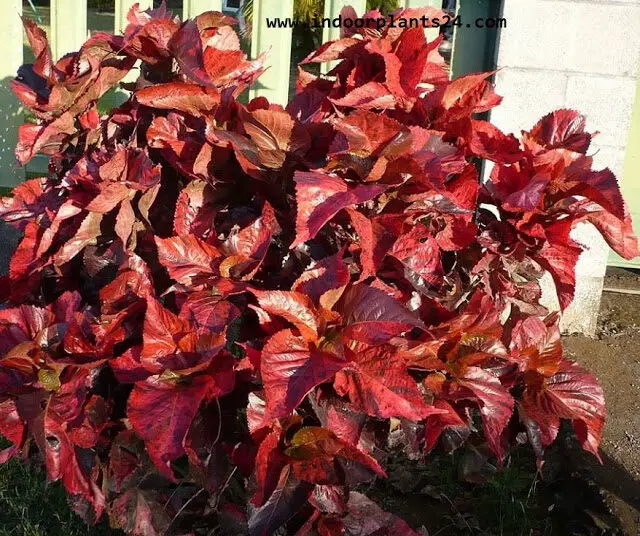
{"x":614,"y":357}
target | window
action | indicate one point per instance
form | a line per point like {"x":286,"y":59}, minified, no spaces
{"x":231,"y":5}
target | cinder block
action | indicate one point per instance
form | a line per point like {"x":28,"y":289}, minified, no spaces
{"x":607,"y":102}
{"x":604,"y":38}
{"x":593,"y":260}
{"x":527,"y":96}
{"x":582,"y":315}
{"x":535,"y":35}
{"x":605,"y":156}
{"x":593,"y":37}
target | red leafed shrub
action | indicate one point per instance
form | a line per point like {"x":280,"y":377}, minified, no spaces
{"x":222,"y":314}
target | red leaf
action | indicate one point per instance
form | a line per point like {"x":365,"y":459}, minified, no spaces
{"x":271,"y":130}
{"x":331,"y":50}
{"x":366,"y":518}
{"x":496,"y":404}
{"x":194,"y":210}
{"x":560,"y":259}
{"x":125,"y":221}
{"x":189,"y":98}
{"x":270,"y":460}
{"x":207,"y":310}
{"x":248,"y":246}
{"x":562,"y":129}
{"x":75,"y":466}
{"x":324,"y":281}
{"x":291,"y":368}
{"x":618,"y":233}
{"x":171,"y":342}
{"x":188,"y":259}
{"x":148,"y":34}
{"x":12,"y":428}
{"x":317,"y":456}
{"x":601,"y":187}
{"x":487,"y":141}
{"x":529,"y":197}
{"x":372,"y":316}
{"x":45,"y":138}
{"x":466,"y":95}
{"x":369,"y":96}
{"x":437,"y":424}
{"x":289,"y":496}
{"x":368,"y":132}
{"x":339,"y":416}
{"x":86,"y":235}
{"x":375,"y":241}
{"x":139,"y":513}
{"x":43,"y":65}
{"x":108,"y":198}
{"x":161,"y":412}
{"x":295,"y":308}
{"x":419,"y":252}
{"x":320,"y":197}
{"x":27,"y":200}
{"x":186,"y":47}
{"x":571,"y":393}
{"x":378,"y":384}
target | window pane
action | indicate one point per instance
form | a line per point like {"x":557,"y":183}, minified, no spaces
{"x":38,"y":11}
{"x":100,"y":15}
{"x":174,"y":6}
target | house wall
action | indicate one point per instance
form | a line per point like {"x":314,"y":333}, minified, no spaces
{"x":580,"y":54}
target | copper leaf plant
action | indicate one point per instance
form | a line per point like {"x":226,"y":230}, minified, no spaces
{"x":220,"y":314}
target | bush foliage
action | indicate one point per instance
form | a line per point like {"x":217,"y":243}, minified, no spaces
{"x":220,"y":315}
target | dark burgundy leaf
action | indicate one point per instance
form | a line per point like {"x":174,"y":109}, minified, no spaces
{"x":372,"y":316}
{"x":324,"y":281}
{"x":289,"y":496}
{"x":140,"y":513}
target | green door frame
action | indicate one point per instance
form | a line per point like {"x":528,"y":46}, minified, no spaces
{"x":474,"y":49}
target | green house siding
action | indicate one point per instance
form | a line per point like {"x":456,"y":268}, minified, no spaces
{"x":631,"y":179}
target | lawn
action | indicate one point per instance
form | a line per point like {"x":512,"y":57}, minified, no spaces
{"x":30,"y":507}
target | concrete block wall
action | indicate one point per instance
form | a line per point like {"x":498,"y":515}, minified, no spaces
{"x":581,"y":54}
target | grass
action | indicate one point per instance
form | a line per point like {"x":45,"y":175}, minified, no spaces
{"x":510,"y":502}
{"x":505,"y":505}
{"x":30,"y":507}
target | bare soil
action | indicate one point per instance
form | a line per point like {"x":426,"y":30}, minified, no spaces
{"x":614,"y":357}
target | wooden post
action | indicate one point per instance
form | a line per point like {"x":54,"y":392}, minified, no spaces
{"x":10,"y":110}
{"x":122,"y":7}
{"x":191,"y":8}
{"x":68,"y":26}
{"x":274,"y":83}
{"x":332,"y":9}
{"x":121,"y":10}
